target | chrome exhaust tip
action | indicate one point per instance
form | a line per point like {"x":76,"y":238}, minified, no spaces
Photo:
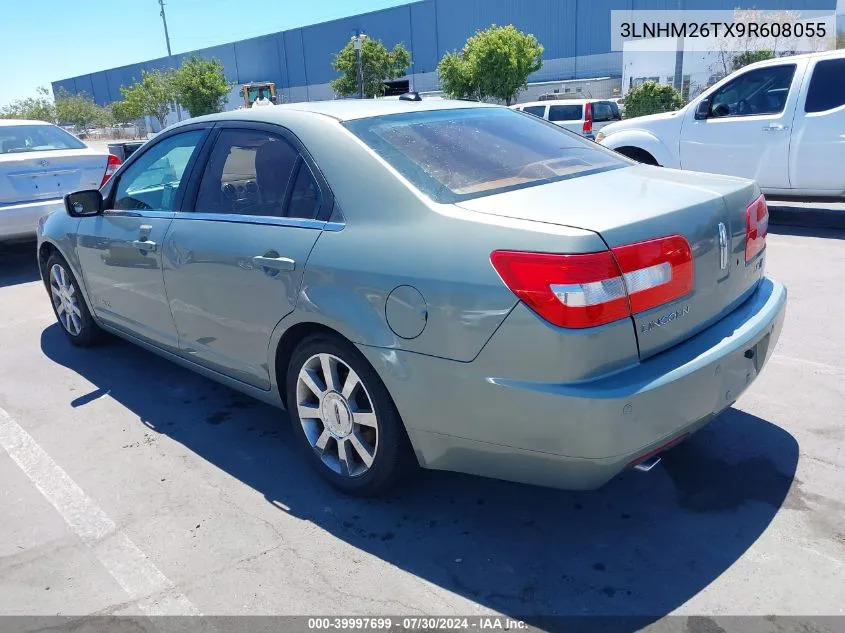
{"x":647,"y":464}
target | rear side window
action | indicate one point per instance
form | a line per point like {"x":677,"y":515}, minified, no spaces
{"x":565,"y":112}
{"x":602,"y":111}
{"x":305,"y":195}
{"x":539,"y":111}
{"x":453,"y":155}
{"x":827,"y":87}
{"x":248,"y":173}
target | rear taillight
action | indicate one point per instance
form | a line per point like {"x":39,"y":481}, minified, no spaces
{"x":756,"y":227}
{"x":588,"y":118}
{"x":111,"y":166}
{"x":580,"y":291}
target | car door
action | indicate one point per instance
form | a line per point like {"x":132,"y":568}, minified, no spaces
{"x":234,"y":256}
{"x":745,"y":129}
{"x":120,"y":251}
{"x":818,"y":128}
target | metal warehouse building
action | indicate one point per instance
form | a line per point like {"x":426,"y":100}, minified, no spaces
{"x":575,"y":34}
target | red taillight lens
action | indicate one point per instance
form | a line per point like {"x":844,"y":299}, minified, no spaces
{"x":588,"y":117}
{"x":756,"y":227}
{"x":656,"y":271}
{"x":111,"y":166}
{"x":575,"y":291}
{"x":580,"y":291}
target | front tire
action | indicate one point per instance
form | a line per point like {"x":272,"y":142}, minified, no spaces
{"x":68,"y":305}
{"x":344,"y":418}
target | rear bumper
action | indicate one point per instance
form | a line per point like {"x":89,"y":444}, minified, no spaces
{"x":21,"y":220}
{"x":578,"y":435}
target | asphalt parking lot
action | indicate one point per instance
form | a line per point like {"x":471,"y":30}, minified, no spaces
{"x":131,"y":486}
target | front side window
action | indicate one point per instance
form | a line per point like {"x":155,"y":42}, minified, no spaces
{"x":248,"y":173}
{"x":18,"y":139}
{"x":456,"y":154}
{"x":539,"y":111}
{"x":827,"y":87}
{"x":565,"y":112}
{"x":152,"y":180}
{"x":761,"y":91}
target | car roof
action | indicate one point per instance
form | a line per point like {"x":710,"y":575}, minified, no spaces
{"x":786,"y":58}
{"x":558,"y":102}
{"x":5,"y":122}
{"x":344,"y":109}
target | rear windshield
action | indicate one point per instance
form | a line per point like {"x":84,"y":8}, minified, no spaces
{"x":565,"y":112}
{"x":453,"y":155}
{"x":16,"y":139}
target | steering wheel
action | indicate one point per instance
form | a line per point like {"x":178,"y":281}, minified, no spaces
{"x":743,"y":107}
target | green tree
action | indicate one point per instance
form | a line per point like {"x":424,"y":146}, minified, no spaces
{"x":650,"y":98}
{"x":494,"y":63}
{"x":377,"y":66}
{"x":152,"y":96}
{"x":78,"y":110}
{"x":749,"y":57}
{"x":124,"y":112}
{"x":201,"y":86}
{"x":39,"y":108}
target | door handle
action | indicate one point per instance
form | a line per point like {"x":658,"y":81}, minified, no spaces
{"x":145,"y":245}
{"x":274,"y":263}
{"x":775,"y":127}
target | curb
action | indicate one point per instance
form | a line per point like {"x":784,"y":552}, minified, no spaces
{"x":813,"y":218}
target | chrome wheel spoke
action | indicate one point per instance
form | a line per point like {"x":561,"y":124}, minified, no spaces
{"x":74,"y":308}
{"x":362,"y":451}
{"x":364,"y":418}
{"x":309,"y":379}
{"x":350,"y":383}
{"x":322,"y":441}
{"x":308,"y":412}
{"x":329,"y":372}
{"x":77,"y":325}
{"x":60,"y":309}
{"x":55,"y":293}
{"x":343,"y":457}
{"x":57,"y":277}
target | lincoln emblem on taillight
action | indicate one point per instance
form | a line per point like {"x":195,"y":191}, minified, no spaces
{"x":723,"y":246}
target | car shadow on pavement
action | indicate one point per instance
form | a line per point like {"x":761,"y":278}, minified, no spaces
{"x":631,"y":552}
{"x":18,"y":264}
{"x":802,"y":231}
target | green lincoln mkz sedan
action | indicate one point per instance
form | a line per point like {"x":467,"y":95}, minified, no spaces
{"x":443,"y":283}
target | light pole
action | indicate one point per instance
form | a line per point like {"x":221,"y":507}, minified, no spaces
{"x":357,"y":43}
{"x":169,"y":53}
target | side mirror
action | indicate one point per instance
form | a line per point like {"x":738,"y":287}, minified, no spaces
{"x":81,"y":204}
{"x":702,"y":110}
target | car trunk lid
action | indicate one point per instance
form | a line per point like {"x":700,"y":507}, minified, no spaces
{"x":46,"y":175}
{"x":637,"y":204}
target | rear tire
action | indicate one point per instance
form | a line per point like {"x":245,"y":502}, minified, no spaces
{"x":68,"y":304}
{"x":344,"y":418}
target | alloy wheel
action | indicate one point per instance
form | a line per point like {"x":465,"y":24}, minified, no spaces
{"x":337,"y":415}
{"x":65,"y":300}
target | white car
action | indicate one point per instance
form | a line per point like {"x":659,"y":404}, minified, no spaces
{"x":780,"y":122}
{"x":39,"y":164}
{"x":582,"y":116}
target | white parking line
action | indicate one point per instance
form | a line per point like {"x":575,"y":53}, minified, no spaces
{"x":128,"y":565}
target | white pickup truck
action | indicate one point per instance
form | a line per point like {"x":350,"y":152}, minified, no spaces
{"x":780,"y":122}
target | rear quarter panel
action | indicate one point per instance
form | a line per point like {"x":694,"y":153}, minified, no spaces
{"x":394,"y":236}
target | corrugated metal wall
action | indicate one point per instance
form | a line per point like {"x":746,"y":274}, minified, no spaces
{"x":575,"y":34}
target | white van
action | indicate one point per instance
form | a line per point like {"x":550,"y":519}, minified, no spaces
{"x":582,"y":116}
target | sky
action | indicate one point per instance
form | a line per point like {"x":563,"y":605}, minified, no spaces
{"x":42,"y":41}
{"x":45,"y":40}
